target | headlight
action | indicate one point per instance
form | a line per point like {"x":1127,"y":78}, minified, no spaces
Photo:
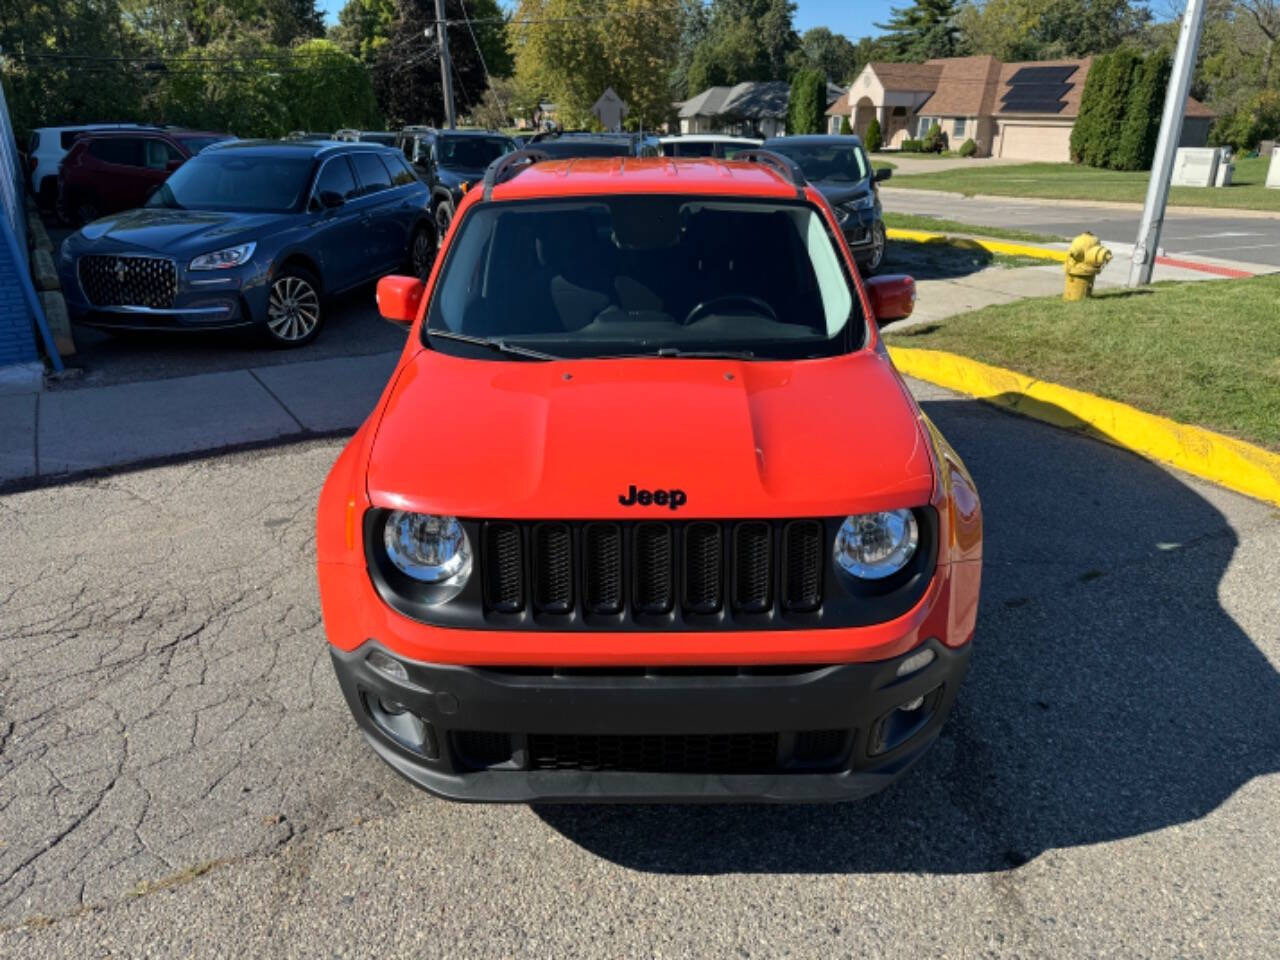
{"x":430,"y":549}
{"x":865,"y":202}
{"x":222,"y":259}
{"x":876,"y":545}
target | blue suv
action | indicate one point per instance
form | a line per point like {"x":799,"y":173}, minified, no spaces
{"x":838,"y":166}
{"x":252,"y":234}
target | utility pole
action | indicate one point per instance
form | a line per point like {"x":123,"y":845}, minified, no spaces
{"x":446,"y":67}
{"x":1175,"y":105}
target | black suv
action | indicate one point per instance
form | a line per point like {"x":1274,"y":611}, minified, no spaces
{"x":841,"y":170}
{"x":449,"y":161}
{"x":580,"y":143}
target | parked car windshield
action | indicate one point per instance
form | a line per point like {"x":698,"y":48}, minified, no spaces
{"x":221,"y":181}
{"x":471,"y":153}
{"x":646,"y":275}
{"x":837,"y":162}
{"x":584,"y":147}
{"x":195,"y":144}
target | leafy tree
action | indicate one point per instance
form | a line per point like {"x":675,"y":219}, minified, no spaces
{"x":1045,"y":29}
{"x":571,"y":51}
{"x":327,"y":89}
{"x":874,"y":139}
{"x":1256,"y":121}
{"x":806,"y":106}
{"x":830,"y":53}
{"x":695,"y":22}
{"x":744,"y":40}
{"x":364,"y":26}
{"x":924,"y":30}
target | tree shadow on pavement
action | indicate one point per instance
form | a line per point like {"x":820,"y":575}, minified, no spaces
{"x":1110,"y":694}
{"x":935,"y":259}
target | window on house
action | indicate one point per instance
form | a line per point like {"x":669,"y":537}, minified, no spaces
{"x":923,"y":130}
{"x":958,"y":127}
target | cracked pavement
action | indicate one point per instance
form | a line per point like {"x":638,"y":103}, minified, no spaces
{"x":179,"y":776}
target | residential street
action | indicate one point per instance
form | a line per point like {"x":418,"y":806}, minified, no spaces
{"x":180,"y":776}
{"x":1228,"y":235}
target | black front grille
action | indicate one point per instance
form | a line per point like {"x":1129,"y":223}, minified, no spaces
{"x":654,"y":571}
{"x":128,"y":281}
{"x":726,"y":753}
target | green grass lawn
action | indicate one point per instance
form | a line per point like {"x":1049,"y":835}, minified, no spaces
{"x":1206,"y":353}
{"x":1065,"y":181}
{"x":919,"y":221}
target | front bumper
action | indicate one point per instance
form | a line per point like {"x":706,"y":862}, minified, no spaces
{"x":775,"y":734}
{"x":203,"y":300}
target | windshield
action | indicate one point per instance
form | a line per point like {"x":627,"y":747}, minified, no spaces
{"x":471,"y":153}
{"x":584,"y":147}
{"x":646,"y":275}
{"x":195,"y":144}
{"x":219,"y":181}
{"x":836,"y":162}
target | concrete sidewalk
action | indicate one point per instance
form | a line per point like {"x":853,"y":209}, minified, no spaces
{"x":67,"y":432}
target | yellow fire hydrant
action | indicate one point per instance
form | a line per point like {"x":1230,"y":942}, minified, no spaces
{"x":1085,"y":259}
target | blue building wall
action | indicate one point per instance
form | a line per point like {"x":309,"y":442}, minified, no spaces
{"x":17,"y":333}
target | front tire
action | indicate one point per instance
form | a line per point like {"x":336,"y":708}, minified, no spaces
{"x":295,"y":308}
{"x":878,"y":244}
{"x":422,"y":252}
{"x":444,"y":215}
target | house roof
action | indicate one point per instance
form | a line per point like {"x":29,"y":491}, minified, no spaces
{"x":966,"y":86}
{"x":750,"y":100}
{"x":908,"y":77}
{"x":1071,"y":98}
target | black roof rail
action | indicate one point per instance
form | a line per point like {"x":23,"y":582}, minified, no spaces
{"x":789,"y":169}
{"x":509,"y":166}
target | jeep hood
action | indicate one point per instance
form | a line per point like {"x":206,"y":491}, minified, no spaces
{"x":496,"y":438}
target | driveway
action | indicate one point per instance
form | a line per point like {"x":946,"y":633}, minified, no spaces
{"x":1226,"y":235}
{"x":179,"y":776}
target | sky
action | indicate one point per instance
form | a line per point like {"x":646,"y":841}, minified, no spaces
{"x":853,"y":18}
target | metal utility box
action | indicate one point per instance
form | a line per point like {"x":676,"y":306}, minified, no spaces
{"x":1273,"y":171}
{"x":1195,"y":167}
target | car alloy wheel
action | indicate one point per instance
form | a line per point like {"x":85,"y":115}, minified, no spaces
{"x":877,"y":248}
{"x":293,"y":310}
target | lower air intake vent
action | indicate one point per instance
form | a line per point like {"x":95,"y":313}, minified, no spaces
{"x":671,"y":753}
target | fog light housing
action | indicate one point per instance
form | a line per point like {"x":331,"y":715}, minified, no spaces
{"x":903,"y":722}
{"x":404,"y":726}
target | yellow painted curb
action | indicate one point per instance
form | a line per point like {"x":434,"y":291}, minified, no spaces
{"x":1221,"y":459}
{"x":994,"y":246}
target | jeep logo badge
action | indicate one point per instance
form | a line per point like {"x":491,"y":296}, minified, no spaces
{"x":672,"y":499}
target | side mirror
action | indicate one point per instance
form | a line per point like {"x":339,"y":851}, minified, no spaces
{"x":892,"y":296}
{"x":399,"y":298}
{"x":883,"y":173}
{"x":331,"y":199}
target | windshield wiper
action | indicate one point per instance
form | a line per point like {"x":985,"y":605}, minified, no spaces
{"x":677,"y":353}
{"x":493,"y":343}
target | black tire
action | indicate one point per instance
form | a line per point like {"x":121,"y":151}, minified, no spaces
{"x":443,"y":216}
{"x":295,"y":308}
{"x":422,"y":251}
{"x":878,"y":244}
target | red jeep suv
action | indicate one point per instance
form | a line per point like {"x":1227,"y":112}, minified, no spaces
{"x":645,"y":511}
{"x":117,"y":170}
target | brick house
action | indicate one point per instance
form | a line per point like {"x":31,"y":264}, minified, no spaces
{"x":1022,"y":111}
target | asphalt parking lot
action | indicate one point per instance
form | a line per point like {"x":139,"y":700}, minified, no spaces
{"x":178,"y":774}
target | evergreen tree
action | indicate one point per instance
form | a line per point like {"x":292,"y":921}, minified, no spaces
{"x":1143,"y":110}
{"x":806,"y":106}
{"x":874,"y":139}
{"x":924,"y":30}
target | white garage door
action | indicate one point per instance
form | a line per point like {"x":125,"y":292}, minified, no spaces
{"x":1036,"y":141}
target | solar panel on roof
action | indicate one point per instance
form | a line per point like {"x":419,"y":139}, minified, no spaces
{"x":1033,"y":106}
{"x":1042,"y":75}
